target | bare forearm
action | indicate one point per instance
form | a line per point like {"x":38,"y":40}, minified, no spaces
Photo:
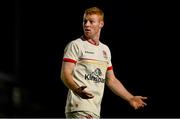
{"x":79,"y":90}
{"x":117,"y":88}
{"x":67,"y":78}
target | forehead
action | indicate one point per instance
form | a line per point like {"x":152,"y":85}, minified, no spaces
{"x":91,"y":16}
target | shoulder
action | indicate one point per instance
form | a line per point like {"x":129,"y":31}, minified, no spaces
{"x":105,"y":46}
{"x":106,"y":50}
{"x":75,"y":42}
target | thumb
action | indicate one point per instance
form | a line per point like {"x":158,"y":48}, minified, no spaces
{"x":143,"y":97}
{"x":83,"y":87}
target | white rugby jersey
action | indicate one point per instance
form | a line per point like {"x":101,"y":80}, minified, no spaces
{"x":91,"y":64}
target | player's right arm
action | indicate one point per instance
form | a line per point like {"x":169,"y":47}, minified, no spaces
{"x":66,"y":75}
{"x":67,"y":78}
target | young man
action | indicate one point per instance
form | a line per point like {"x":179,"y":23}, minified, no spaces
{"x":87,"y":67}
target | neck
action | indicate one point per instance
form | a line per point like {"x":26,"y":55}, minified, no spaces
{"x":94,"y":41}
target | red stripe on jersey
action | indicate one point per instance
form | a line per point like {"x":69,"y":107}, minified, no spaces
{"x":110,"y":68}
{"x":69,"y":60}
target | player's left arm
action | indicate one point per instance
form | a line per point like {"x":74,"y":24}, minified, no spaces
{"x":117,"y":87}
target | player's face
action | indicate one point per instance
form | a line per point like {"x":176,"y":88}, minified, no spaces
{"x":92,"y":25}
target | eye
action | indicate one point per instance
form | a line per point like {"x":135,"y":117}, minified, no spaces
{"x":84,"y":21}
{"x":91,"y":21}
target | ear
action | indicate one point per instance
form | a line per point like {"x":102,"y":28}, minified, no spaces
{"x":101,"y":24}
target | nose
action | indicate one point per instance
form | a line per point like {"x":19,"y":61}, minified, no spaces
{"x":87,"y":23}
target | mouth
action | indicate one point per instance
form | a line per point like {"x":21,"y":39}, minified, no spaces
{"x":87,"y":30}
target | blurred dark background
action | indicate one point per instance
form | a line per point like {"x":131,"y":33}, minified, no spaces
{"x":33,"y":37}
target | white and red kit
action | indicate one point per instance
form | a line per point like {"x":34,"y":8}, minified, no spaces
{"x":91,"y":65}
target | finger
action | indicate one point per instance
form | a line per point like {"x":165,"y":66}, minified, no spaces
{"x":144,"y":103}
{"x":140,"y":106}
{"x":143,"y":97}
{"x":135,"y":107}
{"x":88,"y":94}
{"x":87,"y":97}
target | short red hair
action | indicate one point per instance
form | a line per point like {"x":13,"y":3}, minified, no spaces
{"x":95,"y":10}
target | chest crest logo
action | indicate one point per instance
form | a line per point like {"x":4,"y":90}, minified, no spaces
{"x":105,"y":54}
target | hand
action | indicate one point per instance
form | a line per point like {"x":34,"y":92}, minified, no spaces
{"x":137,"y":102}
{"x":82,"y":93}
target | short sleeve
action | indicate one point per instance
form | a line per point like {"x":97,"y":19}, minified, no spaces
{"x":71,"y":52}
{"x":110,"y":67}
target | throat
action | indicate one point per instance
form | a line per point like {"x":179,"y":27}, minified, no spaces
{"x":93,"y":42}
